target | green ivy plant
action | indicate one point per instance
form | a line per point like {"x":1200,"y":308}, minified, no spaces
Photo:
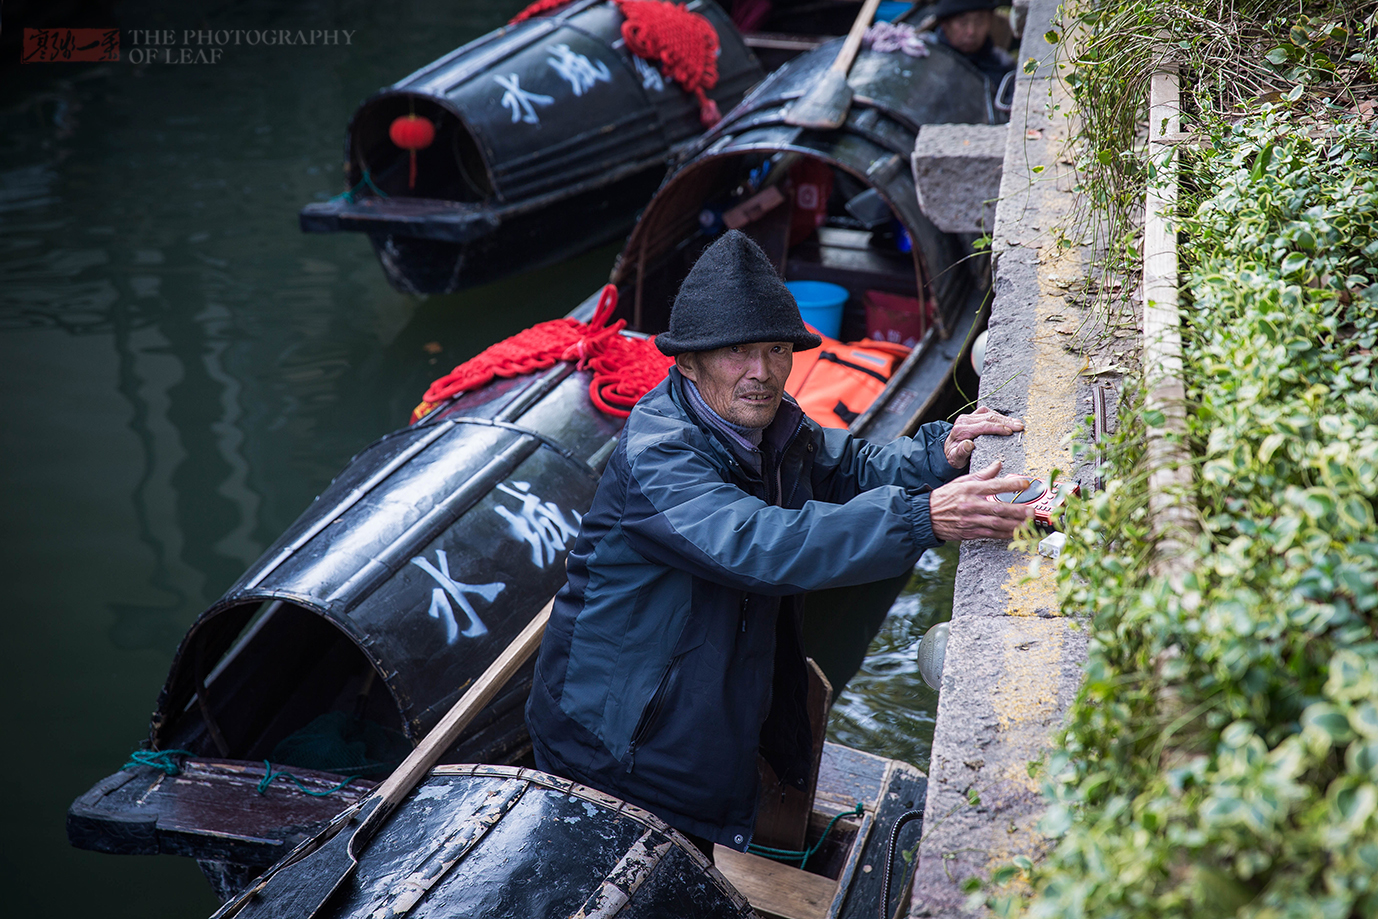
{"x":1222,"y":757}
{"x":1232,"y":55}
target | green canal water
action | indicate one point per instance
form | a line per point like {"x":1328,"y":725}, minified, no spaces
{"x":182,"y":371}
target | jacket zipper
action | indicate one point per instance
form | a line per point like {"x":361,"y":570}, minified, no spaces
{"x":774,"y":475}
{"x":648,"y":717}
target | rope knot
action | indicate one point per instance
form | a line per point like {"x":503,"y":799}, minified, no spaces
{"x":577,"y":352}
{"x":163,"y":760}
{"x":270,"y":775}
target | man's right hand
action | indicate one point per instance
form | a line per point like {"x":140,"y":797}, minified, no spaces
{"x":959,"y":509}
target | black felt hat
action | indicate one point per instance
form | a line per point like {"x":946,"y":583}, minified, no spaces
{"x":733,"y":296}
{"x":944,"y":9}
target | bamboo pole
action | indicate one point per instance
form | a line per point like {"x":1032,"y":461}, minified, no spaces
{"x":1175,"y":524}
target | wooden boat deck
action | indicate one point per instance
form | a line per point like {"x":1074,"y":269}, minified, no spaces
{"x":213,"y":808}
{"x":886,"y":789}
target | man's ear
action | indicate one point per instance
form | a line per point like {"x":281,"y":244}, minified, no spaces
{"x":687,"y":365}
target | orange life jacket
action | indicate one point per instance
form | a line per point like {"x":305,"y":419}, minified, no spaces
{"x":835,"y":383}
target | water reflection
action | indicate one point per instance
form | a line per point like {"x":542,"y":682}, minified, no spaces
{"x":182,"y":373}
{"x":887,"y":708}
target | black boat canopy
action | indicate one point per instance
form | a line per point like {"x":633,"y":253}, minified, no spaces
{"x":753,"y":149}
{"x":536,"y":107}
{"x":412,"y":571}
{"x":549,"y":135}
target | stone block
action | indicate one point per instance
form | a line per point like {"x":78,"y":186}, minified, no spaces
{"x":957,"y":174}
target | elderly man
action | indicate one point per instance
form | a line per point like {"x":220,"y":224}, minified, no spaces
{"x":673,"y":656}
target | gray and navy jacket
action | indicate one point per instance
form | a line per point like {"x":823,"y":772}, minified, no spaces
{"x":673,"y":653}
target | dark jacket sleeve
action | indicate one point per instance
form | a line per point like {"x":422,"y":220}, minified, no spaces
{"x":846,"y":466}
{"x":679,"y":512}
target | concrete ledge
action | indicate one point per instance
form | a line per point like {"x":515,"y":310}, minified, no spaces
{"x":957,"y":174}
{"x":1013,"y":666}
{"x":1016,"y":678}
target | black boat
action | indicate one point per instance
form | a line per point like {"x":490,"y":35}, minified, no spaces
{"x":835,"y":206}
{"x":342,"y":646}
{"x":545,"y":137}
{"x":287,"y":670}
{"x":511,"y":843}
{"x":345,"y":642}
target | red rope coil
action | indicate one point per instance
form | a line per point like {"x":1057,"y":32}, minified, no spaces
{"x":624,"y":368}
{"x":684,"y":43}
{"x":539,"y":8}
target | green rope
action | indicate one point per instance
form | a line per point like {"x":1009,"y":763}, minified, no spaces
{"x":803,"y":856}
{"x":348,"y":196}
{"x":376,"y":190}
{"x":162,"y":760}
{"x":270,"y":775}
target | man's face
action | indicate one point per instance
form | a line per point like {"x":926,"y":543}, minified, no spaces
{"x":967,"y":32}
{"x":742,"y":383}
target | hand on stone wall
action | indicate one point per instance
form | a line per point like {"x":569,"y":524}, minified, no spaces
{"x":961,"y":440}
{"x":960,"y":510}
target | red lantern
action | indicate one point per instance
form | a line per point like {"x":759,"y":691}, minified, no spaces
{"x":411,"y":134}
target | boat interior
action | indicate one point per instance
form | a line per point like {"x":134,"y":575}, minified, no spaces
{"x":816,"y":220}
{"x":450,"y":168}
{"x":292,"y":688}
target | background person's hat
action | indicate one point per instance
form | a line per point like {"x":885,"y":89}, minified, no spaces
{"x":733,"y":296}
{"x":945,"y":9}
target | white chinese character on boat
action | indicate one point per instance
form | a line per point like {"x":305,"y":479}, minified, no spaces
{"x":650,"y":77}
{"x":576,"y":70}
{"x":518,"y":101}
{"x":540,"y":523}
{"x":449,"y":587}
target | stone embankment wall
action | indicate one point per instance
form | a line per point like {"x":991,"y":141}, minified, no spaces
{"x":1013,"y":664}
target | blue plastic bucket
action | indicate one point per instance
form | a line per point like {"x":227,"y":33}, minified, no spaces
{"x":820,"y":303}
{"x":890,"y":10}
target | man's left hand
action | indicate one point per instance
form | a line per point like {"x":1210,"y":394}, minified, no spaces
{"x":961,"y":440}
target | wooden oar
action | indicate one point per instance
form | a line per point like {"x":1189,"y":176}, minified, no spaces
{"x":300,"y":884}
{"x":825,"y":106}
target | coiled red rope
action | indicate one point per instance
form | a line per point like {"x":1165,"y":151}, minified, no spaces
{"x":685,"y":44}
{"x":624,"y":368}
{"x":539,"y":8}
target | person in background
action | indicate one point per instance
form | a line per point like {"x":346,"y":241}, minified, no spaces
{"x":965,"y":27}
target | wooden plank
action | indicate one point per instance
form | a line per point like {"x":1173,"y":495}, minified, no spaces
{"x":211,"y":810}
{"x":773,"y":889}
{"x":905,"y":790}
{"x":782,"y":41}
{"x":782,"y":817}
{"x":847,"y":776}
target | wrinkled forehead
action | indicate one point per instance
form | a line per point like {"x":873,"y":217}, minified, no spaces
{"x":734,"y":360}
